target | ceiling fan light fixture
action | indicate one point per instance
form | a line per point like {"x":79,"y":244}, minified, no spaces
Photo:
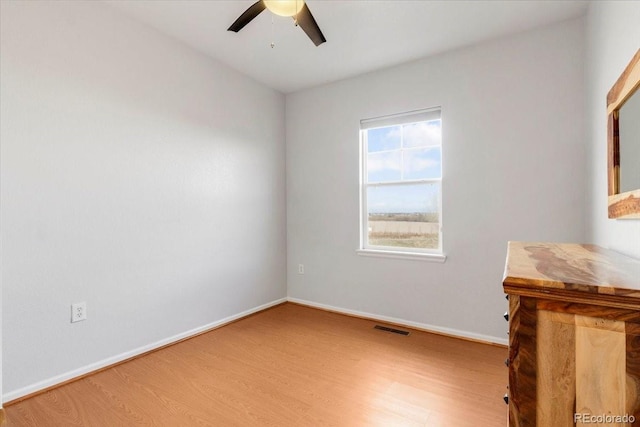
{"x":295,"y":8}
{"x":284,"y":7}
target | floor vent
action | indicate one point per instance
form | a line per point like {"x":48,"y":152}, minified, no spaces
{"x":395,"y":331}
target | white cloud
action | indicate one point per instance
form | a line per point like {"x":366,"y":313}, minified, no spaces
{"x":383,"y":161}
{"x":418,"y":164}
{"x":422,"y":134}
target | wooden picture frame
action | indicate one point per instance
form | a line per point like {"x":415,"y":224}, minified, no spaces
{"x":626,"y":204}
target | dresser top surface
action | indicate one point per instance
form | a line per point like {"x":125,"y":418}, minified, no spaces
{"x":571,"y":267}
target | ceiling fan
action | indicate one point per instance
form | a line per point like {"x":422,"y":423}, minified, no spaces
{"x":295,"y":8}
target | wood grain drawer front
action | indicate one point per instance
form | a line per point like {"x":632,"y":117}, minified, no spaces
{"x":562,"y":364}
{"x":556,"y":377}
{"x":583,"y":369}
{"x":600,"y":365}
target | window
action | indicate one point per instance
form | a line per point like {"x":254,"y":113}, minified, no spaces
{"x":401,"y":190}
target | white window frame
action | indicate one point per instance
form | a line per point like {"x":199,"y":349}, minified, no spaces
{"x":366,"y":249}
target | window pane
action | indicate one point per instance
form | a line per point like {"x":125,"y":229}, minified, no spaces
{"x":384,"y":166}
{"x":404,"y":215}
{"x":422,"y":163}
{"x":422,"y":134}
{"x":382,"y":139}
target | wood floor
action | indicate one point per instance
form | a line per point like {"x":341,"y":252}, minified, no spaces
{"x":288,"y":366}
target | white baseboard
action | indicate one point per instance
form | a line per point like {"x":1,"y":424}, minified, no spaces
{"x":59,"y":379}
{"x":415,"y":325}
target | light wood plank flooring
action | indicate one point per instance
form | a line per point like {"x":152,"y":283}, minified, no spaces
{"x":288,"y":366}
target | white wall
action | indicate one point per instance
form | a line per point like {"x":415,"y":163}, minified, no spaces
{"x":514,"y":157}
{"x":613,"y":37}
{"x":138,"y":176}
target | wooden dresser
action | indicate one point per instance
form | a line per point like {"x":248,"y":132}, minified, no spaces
{"x":574,"y":336}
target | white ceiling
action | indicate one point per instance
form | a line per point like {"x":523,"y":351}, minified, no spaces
{"x":362,"y":35}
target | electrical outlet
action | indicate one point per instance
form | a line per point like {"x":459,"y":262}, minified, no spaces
{"x":78,"y":312}
{"x":300,"y":268}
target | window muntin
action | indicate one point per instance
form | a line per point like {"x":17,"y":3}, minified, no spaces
{"x":401,"y":182}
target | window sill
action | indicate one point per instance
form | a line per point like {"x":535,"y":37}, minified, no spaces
{"x":403,"y":255}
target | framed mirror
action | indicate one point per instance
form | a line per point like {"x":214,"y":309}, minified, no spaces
{"x":623,"y":139}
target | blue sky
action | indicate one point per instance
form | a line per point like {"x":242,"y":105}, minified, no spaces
{"x":404,"y":153}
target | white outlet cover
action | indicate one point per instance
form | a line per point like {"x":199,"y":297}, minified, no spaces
{"x":78,"y":312}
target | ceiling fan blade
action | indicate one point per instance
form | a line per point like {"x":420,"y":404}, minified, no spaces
{"x":247,"y":16}
{"x":310,"y":26}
